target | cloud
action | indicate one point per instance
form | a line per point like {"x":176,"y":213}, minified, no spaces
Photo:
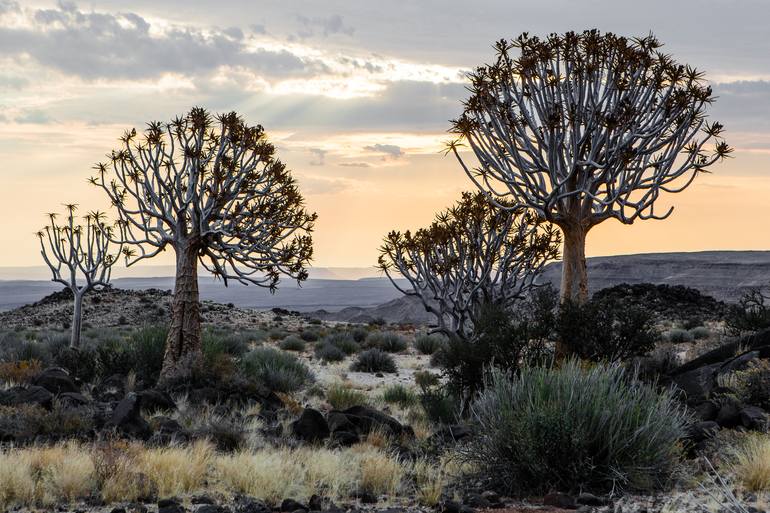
{"x":37,"y":117}
{"x":390,"y":151}
{"x":323,"y":185}
{"x":354,"y":164}
{"x":318,"y":156}
{"x":95,"y":45}
{"x":327,"y":25}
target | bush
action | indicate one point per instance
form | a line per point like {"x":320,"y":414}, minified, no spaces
{"x":386,"y":341}
{"x":309,"y":335}
{"x":606,"y":329}
{"x":292,"y":343}
{"x":147,"y":347}
{"x":342,"y":341}
{"x":342,"y":397}
{"x":277,"y":370}
{"x":750,"y":315}
{"x":429,"y":344}
{"x":359,"y":334}
{"x":678,"y":336}
{"x":573,"y":429}
{"x":400,"y":395}
{"x":700,"y":332}
{"x":374,"y":360}
{"x":329,"y":353}
{"x":500,"y":340}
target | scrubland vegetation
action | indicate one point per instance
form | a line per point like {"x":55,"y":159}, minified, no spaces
{"x":517,"y":390}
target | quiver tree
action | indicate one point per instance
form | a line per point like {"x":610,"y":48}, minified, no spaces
{"x":212,"y":189}
{"x":80,"y":257}
{"x":581,"y":128}
{"x":473,"y":254}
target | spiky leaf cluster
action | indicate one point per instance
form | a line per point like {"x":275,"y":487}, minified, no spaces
{"x":212,"y":182}
{"x":473,"y":253}
{"x":582,"y":127}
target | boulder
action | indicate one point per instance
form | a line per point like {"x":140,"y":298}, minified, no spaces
{"x":367,"y":419}
{"x":73,"y":399}
{"x":344,"y":438}
{"x":154,"y":400}
{"x":697,"y":384}
{"x":33,"y":394}
{"x":754,"y":418}
{"x":560,"y":500}
{"x":729,"y":412}
{"x":338,"y":421}
{"x":290,"y":505}
{"x":127,"y":418}
{"x":56,"y":380}
{"x":701,"y":431}
{"x":311,"y":426}
{"x":110,"y":389}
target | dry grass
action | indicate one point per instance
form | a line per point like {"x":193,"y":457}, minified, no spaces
{"x":123,"y":471}
{"x":429,"y":482}
{"x":752,"y":463}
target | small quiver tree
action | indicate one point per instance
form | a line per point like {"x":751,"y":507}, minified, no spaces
{"x":80,"y":257}
{"x":473,"y":254}
{"x":212,"y":190}
{"x":581,"y":128}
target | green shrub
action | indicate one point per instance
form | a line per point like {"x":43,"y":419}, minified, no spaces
{"x":342,"y":397}
{"x":147,"y":346}
{"x":329,"y":353}
{"x":501,"y":340}
{"x":678,"y":336}
{"x":359,"y":334}
{"x":342,"y":341}
{"x":374,"y":360}
{"x":309,"y":335}
{"x":292,"y":343}
{"x":277,"y":370}
{"x":113,"y":357}
{"x":573,"y":429}
{"x":606,"y":329}
{"x":400,"y":395}
{"x":386,"y":341}
{"x":700,"y":332}
{"x":429,"y":344}
{"x":750,"y":315}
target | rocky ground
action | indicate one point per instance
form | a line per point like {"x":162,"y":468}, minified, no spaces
{"x":157,"y":416}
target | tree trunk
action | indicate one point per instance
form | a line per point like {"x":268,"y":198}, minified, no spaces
{"x":574,"y":275}
{"x":183,"y":345}
{"x":77,"y":318}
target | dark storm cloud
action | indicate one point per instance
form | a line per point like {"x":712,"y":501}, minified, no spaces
{"x":104,"y":45}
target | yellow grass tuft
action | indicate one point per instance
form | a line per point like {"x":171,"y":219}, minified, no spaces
{"x":752,"y":464}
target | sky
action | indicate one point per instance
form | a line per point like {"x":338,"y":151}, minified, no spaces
{"x":356,"y":95}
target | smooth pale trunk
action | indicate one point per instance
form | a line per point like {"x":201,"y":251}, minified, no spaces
{"x":183,"y":345}
{"x":77,"y":318}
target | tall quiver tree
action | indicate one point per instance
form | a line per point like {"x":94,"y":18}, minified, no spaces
{"x":80,"y":257}
{"x":211,"y":189}
{"x":582,"y":128}
{"x":473,"y":254}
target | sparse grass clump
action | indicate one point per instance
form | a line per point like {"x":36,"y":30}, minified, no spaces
{"x":309,"y":335}
{"x":429,"y":344}
{"x":341,"y":397}
{"x":277,"y":370}
{"x":574,"y":428}
{"x":292,"y":343}
{"x":387,"y":341}
{"x":400,"y":395}
{"x":752,"y":463}
{"x":374,"y":360}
